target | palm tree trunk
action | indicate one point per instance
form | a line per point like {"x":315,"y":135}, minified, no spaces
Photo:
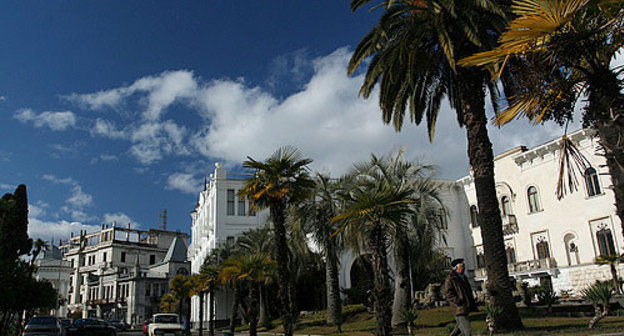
{"x":472,"y":112}
{"x":334,"y":306}
{"x":616,"y":281}
{"x":253,"y":308}
{"x":383,"y":293}
{"x":234,"y":313}
{"x":211,"y":313}
{"x":402,"y":290}
{"x":606,"y":102}
{"x":262,"y":320}
{"x":201,"y":313}
{"x":286,"y":290}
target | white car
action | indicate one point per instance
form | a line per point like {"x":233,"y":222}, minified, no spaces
{"x":165,"y":324}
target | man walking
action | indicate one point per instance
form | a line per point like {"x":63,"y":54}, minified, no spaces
{"x":459,"y":295}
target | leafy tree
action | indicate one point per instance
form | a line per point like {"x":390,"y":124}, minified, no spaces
{"x":279,"y":182}
{"x":544,"y":41}
{"x":414,"y":48}
{"x":612,"y":260}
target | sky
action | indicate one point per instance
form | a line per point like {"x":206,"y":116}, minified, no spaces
{"x":111,"y":111}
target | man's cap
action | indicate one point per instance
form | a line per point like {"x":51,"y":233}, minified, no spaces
{"x":455,"y":262}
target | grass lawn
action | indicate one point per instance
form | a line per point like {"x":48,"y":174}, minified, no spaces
{"x":439,"y":322}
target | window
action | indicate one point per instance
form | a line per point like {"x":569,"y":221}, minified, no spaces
{"x":229,"y":240}
{"x":534,"y":205}
{"x":147,"y":290}
{"x":591,"y":182}
{"x":71,"y":263}
{"x":123,"y":256}
{"x":230,"y":202}
{"x":104,"y":256}
{"x":543,"y":252}
{"x":505,"y":205}
{"x":480,"y":261}
{"x":605,"y":242}
{"x":511,"y":255}
{"x":241,"y":206}
{"x":474,"y":216}
{"x":152,"y":259}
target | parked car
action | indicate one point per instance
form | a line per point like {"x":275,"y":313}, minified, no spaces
{"x":93,"y":327}
{"x":165,"y":324}
{"x":44,"y":326}
{"x":119,"y":325}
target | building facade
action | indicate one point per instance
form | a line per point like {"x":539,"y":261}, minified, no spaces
{"x":119,"y":273}
{"x":547,"y":237}
{"x":219,"y":217}
{"x":51,"y":267}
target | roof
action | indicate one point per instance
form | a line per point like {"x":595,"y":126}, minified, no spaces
{"x":177,"y":251}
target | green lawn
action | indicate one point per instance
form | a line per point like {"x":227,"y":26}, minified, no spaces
{"x":439,"y":321}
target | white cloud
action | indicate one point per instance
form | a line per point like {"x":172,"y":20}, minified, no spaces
{"x":56,"y":121}
{"x":57,"y":180}
{"x":154,"y":140}
{"x":48,"y":230}
{"x":121,"y":219}
{"x":79,"y":198}
{"x":7,"y":187}
{"x":107,"y":129}
{"x":183,"y":182}
{"x":104,"y":157}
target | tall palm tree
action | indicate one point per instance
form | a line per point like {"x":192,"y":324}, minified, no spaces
{"x":38,"y":246}
{"x":168,"y":302}
{"x":181,"y":287}
{"x":205,"y":282}
{"x":279,"y":182}
{"x":250,"y":270}
{"x":374,"y":208}
{"x":315,"y":218}
{"x":545,"y":40}
{"x":414,"y":48}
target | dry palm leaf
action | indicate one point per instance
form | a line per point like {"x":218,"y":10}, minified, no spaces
{"x":571,"y":160}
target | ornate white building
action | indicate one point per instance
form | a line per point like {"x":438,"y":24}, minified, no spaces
{"x":51,"y":267}
{"x":544,"y":236}
{"x":121,"y":273}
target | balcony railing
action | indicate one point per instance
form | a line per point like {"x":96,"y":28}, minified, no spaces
{"x":510,"y":225}
{"x":523,"y":267}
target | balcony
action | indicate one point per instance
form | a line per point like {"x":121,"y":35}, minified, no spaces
{"x":528,"y":266}
{"x":510,"y":225}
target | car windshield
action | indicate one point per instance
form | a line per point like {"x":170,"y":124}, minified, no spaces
{"x":43,"y":320}
{"x":166,"y":319}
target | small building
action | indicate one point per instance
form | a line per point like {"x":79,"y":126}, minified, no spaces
{"x":120,"y":273}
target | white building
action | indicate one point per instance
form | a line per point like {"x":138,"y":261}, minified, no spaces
{"x":121,"y":273}
{"x":51,"y":267}
{"x":544,"y":236}
{"x":219,"y":216}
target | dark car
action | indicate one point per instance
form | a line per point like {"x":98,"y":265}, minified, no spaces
{"x":44,"y":326}
{"x":93,"y":327}
{"x":119,"y":325}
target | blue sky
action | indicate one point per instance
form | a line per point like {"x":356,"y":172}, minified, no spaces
{"x":115,"y":110}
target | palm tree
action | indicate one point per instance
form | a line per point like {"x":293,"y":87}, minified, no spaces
{"x":181,"y":287}
{"x":374,"y":208}
{"x":38,"y":246}
{"x":414,"y":48}
{"x":250,"y":270}
{"x":314,"y":217}
{"x":257,"y":241}
{"x":279,"y":182}
{"x":168,"y":303}
{"x":545,"y":40}
{"x":599,"y":294}
{"x":205,"y":283}
{"x":612,"y":260}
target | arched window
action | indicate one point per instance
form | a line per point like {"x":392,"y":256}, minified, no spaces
{"x":605,"y":242}
{"x":474,"y":216}
{"x":533,"y":196}
{"x":543,"y":251}
{"x":505,"y":205}
{"x":591,"y":182}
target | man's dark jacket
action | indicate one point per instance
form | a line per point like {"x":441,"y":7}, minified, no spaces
{"x":458,"y":292}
